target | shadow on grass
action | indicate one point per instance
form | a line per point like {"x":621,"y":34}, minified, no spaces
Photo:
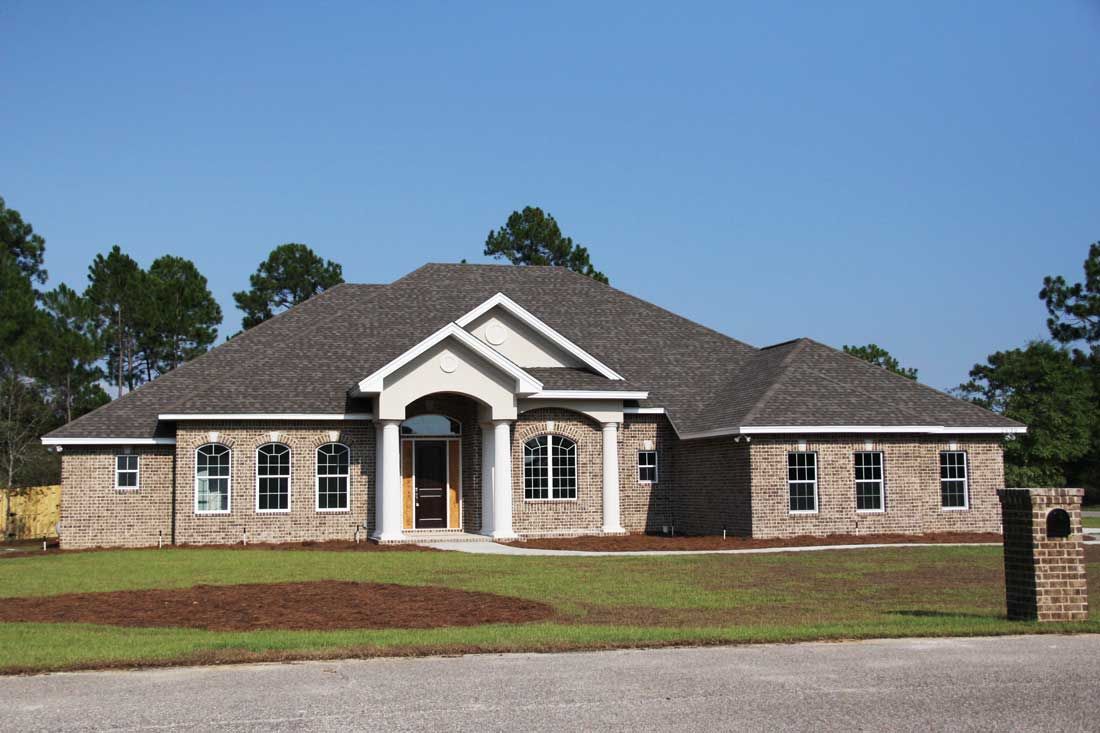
{"x":924,"y":613}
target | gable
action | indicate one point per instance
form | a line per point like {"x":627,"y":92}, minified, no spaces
{"x":507,"y":334}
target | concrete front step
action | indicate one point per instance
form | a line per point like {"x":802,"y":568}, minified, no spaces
{"x":422,"y":536}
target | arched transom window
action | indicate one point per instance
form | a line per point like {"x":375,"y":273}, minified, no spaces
{"x":549,"y":468}
{"x":333,"y":461}
{"x":212,"y":479}
{"x":273,"y":478}
{"x":434,"y":425}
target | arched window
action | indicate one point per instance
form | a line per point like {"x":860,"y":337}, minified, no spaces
{"x":434,"y":425}
{"x":212,"y":463}
{"x":549,"y":468}
{"x":333,"y":461}
{"x":273,"y":478}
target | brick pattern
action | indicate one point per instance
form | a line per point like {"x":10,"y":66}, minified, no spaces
{"x":645,"y":507}
{"x":95,"y":514}
{"x":303,"y":522}
{"x":712,"y":491}
{"x":911,"y":466}
{"x":559,"y":517}
{"x":1044,"y":577}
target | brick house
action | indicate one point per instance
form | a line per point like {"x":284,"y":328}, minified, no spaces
{"x":519,"y":401}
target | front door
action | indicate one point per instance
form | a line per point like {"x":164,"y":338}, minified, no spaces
{"x":430,"y":488}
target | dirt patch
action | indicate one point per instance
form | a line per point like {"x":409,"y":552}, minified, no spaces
{"x":322,"y":606}
{"x":636,"y":542}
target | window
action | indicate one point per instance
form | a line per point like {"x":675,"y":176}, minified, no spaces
{"x":802,"y":482}
{"x":332,"y":478}
{"x":549,"y":468}
{"x":869,"y":483}
{"x":273,"y":478}
{"x":647,"y":466}
{"x":126,"y":472}
{"x":431,"y":425}
{"x":953,"y":493}
{"x":212,"y":479}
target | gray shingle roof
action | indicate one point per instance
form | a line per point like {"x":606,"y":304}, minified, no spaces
{"x":307,"y":359}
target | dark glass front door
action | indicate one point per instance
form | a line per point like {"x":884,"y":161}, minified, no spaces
{"x":430,"y":475}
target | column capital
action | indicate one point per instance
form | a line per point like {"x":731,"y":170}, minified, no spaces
{"x":610,"y":425}
{"x":502,"y":422}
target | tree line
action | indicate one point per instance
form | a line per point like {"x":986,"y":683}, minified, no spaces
{"x":61,"y":350}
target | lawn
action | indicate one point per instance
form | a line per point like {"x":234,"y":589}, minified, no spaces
{"x":596,"y":602}
{"x":1091,"y":522}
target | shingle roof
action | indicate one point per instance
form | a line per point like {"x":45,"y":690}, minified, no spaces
{"x":307,"y":359}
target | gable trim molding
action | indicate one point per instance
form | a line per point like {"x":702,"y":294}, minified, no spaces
{"x":530,"y":319}
{"x":838,"y":429}
{"x":525,"y":383}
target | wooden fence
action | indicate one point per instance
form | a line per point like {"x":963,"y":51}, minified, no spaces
{"x":30,"y":513}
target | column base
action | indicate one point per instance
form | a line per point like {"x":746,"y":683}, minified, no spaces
{"x":612,"y":530}
{"x":503,"y":535}
{"x":388,"y":538}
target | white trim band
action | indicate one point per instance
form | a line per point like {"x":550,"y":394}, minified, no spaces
{"x":643,"y":411}
{"x":840,"y":429}
{"x":108,"y":441}
{"x":585,"y":394}
{"x":267,"y":416}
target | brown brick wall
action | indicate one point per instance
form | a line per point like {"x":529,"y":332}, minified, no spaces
{"x":645,"y":507}
{"x":303,"y":522}
{"x":712,"y":487}
{"x":95,"y":514}
{"x":583,"y":515}
{"x":912,"y":474}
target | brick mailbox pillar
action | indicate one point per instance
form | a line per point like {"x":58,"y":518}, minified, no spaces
{"x":1044,"y":554}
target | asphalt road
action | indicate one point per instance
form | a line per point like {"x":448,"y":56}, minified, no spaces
{"x":1011,"y":683}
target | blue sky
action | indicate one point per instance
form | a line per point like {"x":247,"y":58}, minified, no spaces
{"x":854,"y":172}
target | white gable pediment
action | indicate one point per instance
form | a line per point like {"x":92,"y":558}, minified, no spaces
{"x":526,"y":340}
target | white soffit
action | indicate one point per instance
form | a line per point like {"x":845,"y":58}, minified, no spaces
{"x":266,"y":416}
{"x":108,"y":441}
{"x":530,"y":319}
{"x":525,"y":383}
{"x":836,"y":429}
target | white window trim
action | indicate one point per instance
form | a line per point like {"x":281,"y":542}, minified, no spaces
{"x":882,"y":483}
{"x":228,"y":484}
{"x":966,"y":482}
{"x":550,"y":470}
{"x":817,"y":499}
{"x":317,"y":480}
{"x":136,"y":472}
{"x":289,"y":481}
{"x":655,"y":467}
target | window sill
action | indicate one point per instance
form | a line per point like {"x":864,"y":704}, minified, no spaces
{"x":870,"y":511}
{"x":550,"y":501}
{"x":273,"y":511}
{"x":333,"y":511}
{"x":954,"y":508}
{"x":127,"y":489}
{"x":801,"y":512}
{"x":199,"y":513}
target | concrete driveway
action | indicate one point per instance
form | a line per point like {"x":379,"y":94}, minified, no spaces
{"x":1009,"y":683}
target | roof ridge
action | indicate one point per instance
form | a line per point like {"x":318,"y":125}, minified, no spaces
{"x":785,"y":367}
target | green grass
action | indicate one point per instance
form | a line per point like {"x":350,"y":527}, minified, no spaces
{"x":600,"y":602}
{"x":1091,"y":522}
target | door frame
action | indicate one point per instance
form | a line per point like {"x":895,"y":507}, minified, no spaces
{"x":447,"y":439}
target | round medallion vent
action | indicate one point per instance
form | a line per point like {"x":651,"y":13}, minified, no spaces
{"x":448,"y":363}
{"x":495,"y":334}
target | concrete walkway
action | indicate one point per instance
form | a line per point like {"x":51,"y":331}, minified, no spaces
{"x":1022,"y":683}
{"x":495,"y":548}
{"x":1092,"y":537}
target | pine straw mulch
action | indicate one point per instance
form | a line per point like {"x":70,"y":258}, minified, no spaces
{"x":316,"y":606}
{"x":642,"y":542}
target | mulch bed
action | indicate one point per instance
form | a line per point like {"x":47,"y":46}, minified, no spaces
{"x":636,"y":542}
{"x":321,"y":606}
{"x":29,"y":550}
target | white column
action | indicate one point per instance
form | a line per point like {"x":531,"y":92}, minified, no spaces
{"x":488,"y":459}
{"x":379,"y":480}
{"x":389,"y":527}
{"x":611,"y":520}
{"x":502,"y":480}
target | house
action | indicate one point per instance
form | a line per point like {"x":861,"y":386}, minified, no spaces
{"x":519,"y":401}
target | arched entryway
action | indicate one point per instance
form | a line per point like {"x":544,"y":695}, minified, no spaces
{"x":431,"y":471}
